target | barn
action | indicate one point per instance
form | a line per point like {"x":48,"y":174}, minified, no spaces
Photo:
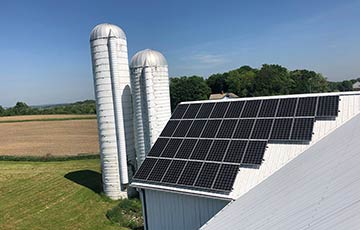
{"x":228,"y":161}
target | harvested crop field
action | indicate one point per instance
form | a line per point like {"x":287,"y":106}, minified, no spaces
{"x":48,"y":137}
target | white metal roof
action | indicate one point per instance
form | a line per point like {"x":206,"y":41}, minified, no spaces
{"x":276,"y":155}
{"x":320,"y":189}
{"x":146,"y":58}
{"x":106,"y":30}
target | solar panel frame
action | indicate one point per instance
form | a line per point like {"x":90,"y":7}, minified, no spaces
{"x":159,"y":169}
{"x":145,"y":168}
{"x":211,"y":128}
{"x":287,"y":107}
{"x":170,"y":128}
{"x":217,"y":150}
{"x":182,"y":128}
{"x":179,"y":111}
{"x":251,"y":108}
{"x":192,"y":111}
{"x":205,"y":110}
{"x":235,"y":109}
{"x":171,"y":148}
{"x":158,"y":147}
{"x":262,"y":129}
{"x":185,"y":149}
{"x":302,"y":129}
{"x":254,"y":153}
{"x":281,"y":129}
{"x":268,"y":108}
{"x":174,"y":171}
{"x":306,"y":106}
{"x":219,"y":110}
{"x":328,"y":106}
{"x":190,"y":172}
{"x":227,"y":128}
{"x":207,"y":175}
{"x":226,"y":176}
{"x":244,"y":128}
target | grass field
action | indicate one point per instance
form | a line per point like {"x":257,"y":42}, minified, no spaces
{"x":53,"y":195}
{"x":55,"y":135}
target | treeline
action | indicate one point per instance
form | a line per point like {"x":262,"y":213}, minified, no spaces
{"x":21,"y":108}
{"x":250,"y":82}
{"x":244,"y":82}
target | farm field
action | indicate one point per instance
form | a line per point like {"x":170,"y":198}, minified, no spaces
{"x":48,"y":135}
{"x":53,"y":195}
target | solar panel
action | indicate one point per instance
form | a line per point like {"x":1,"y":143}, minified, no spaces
{"x":281,"y":129}
{"x":211,"y":128}
{"x":179,"y":111}
{"x":235,"y":151}
{"x":174,"y":171}
{"x":169,"y":128}
{"x":226,"y":177}
{"x":234,"y":110}
{"x":190,"y":173}
{"x":227,"y":128}
{"x":182,"y":128}
{"x":196,"y":128}
{"x":204,"y":144}
{"x":244,"y":128}
{"x":328,"y":106}
{"x":207,"y":175}
{"x":192,"y":111}
{"x":287,"y":107}
{"x":302,"y":129}
{"x":262,"y":129}
{"x":201,"y":149}
{"x":219,"y":110}
{"x":186,"y":148}
{"x":171,"y":148}
{"x":217,"y":150}
{"x":205,"y":110}
{"x":145,"y":169}
{"x":254,"y":152}
{"x":268,"y":108}
{"x":306,"y":106}
{"x":159,"y":170}
{"x":158,"y":147}
{"x":251,"y":108}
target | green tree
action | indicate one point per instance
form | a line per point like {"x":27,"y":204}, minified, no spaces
{"x":2,"y":111}
{"x":188,"y":89}
{"x":272,"y":80}
{"x":306,"y":81}
{"x":242,"y":81}
{"x":218,"y":83}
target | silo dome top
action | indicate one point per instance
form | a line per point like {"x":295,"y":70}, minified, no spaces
{"x":106,"y":30}
{"x":147,"y":57}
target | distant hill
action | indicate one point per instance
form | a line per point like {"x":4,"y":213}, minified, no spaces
{"x":21,"y":108}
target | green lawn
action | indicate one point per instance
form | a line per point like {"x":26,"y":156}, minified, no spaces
{"x":53,"y":196}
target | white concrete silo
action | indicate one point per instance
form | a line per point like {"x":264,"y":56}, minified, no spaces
{"x":151,"y":98}
{"x":114,"y":106}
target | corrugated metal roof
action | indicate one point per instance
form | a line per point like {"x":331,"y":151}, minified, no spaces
{"x":107,"y":30}
{"x":320,"y":189}
{"x":146,"y":58}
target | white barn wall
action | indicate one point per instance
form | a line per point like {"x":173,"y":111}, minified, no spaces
{"x":172,"y":211}
{"x":278,"y":155}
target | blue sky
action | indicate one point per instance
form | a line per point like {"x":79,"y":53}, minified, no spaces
{"x":45,"y":54}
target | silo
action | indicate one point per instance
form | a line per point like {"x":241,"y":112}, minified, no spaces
{"x":151,"y":98}
{"x":114,"y":106}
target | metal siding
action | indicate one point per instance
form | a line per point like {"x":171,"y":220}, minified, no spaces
{"x":179,"y":212}
{"x":320,"y":189}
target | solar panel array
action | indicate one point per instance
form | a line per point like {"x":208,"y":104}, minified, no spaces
{"x":204,"y":145}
